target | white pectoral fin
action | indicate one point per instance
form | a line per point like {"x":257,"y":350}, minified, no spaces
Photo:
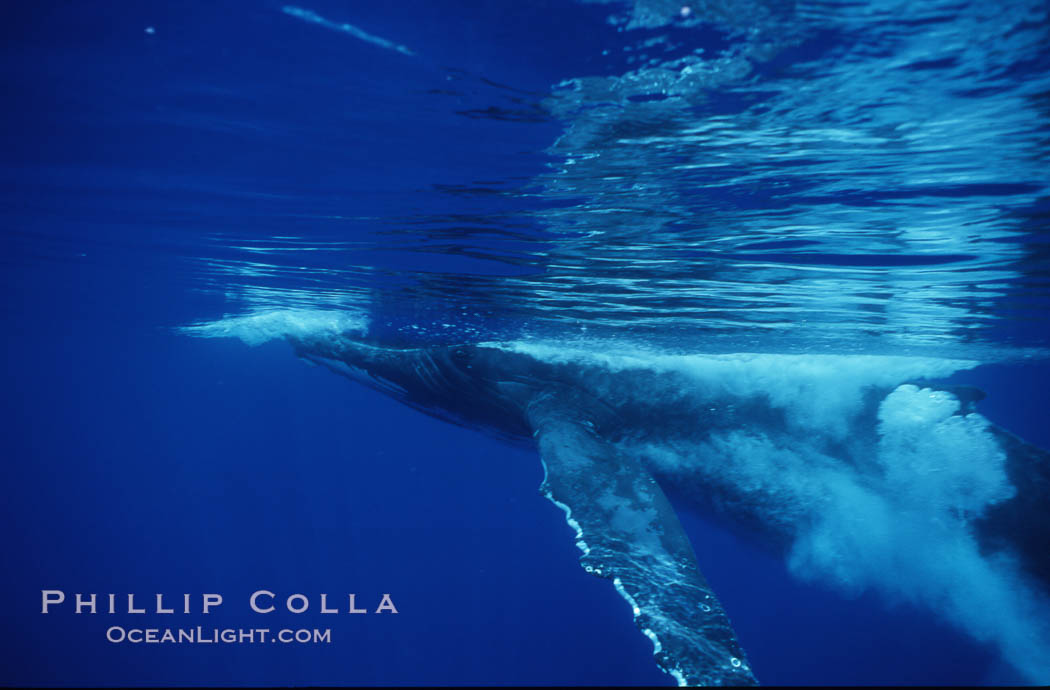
{"x":629,"y":533}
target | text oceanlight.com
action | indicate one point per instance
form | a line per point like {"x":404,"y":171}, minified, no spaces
{"x":201,"y":635}
{"x":261,"y":602}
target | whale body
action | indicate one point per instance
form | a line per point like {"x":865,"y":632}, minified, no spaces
{"x":859,"y":469}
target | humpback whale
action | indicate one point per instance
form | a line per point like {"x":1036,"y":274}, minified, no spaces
{"x":860,"y":470}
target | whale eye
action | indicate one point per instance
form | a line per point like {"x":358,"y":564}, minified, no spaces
{"x":460,"y":354}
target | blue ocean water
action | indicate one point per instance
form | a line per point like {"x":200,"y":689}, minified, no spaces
{"x":810,"y":178}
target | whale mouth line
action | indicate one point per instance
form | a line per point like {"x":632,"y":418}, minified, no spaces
{"x":355,"y":373}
